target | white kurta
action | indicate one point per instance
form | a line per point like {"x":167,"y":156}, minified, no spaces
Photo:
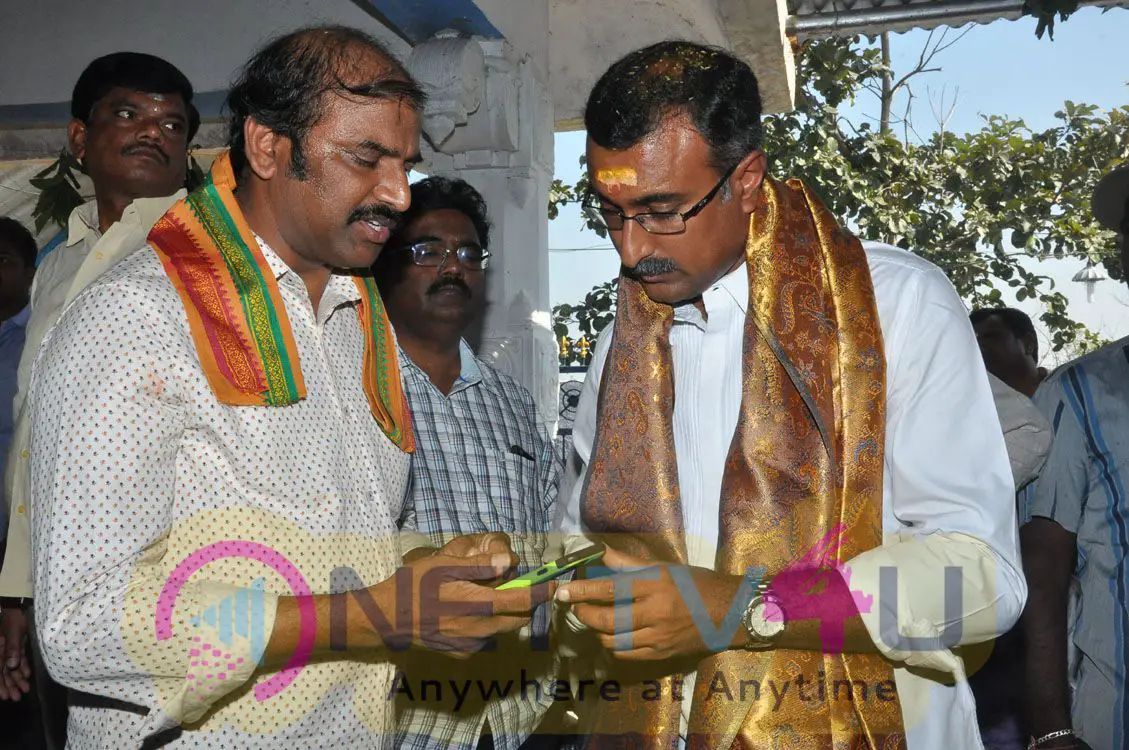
{"x":948,"y":493}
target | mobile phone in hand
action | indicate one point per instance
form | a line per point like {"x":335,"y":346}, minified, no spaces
{"x":555,"y":569}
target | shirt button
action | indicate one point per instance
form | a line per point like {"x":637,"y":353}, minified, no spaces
{"x":98,"y":256}
{"x":21,"y":509}
{"x":24,"y":454}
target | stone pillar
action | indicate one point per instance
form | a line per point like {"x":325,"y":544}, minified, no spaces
{"x":489,"y":121}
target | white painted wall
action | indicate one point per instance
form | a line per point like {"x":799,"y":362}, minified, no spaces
{"x":523,"y":24}
{"x":512,"y":169}
{"x":587,"y":36}
{"x":45,"y":44}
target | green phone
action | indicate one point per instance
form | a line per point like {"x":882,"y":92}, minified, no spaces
{"x":558,"y":567}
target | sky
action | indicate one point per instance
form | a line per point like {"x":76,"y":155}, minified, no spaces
{"x":999,"y":68}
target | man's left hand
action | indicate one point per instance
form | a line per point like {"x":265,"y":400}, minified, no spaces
{"x":15,"y":670}
{"x":652,"y":612}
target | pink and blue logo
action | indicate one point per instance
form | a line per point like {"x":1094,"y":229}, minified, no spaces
{"x":816,"y":587}
{"x":239,"y":615}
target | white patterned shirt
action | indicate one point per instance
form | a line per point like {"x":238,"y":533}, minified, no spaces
{"x":61,"y":274}
{"x":138,"y":472}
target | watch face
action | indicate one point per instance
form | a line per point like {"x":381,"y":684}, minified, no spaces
{"x":767,"y":619}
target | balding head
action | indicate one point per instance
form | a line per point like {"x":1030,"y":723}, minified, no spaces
{"x":283,"y":87}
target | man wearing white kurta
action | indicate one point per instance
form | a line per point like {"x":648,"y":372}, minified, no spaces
{"x":947,"y":472}
{"x":947,"y":491}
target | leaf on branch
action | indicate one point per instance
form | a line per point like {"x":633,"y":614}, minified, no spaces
{"x":58,"y":191}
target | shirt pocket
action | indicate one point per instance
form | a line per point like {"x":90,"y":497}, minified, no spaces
{"x":511,"y":487}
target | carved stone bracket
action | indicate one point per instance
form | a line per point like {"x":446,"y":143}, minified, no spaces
{"x":472,"y":93}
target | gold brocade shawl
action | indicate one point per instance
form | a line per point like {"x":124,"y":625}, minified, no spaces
{"x":806,"y":460}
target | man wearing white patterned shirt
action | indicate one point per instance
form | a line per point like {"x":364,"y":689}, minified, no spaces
{"x":482,"y":463}
{"x":219,"y":457}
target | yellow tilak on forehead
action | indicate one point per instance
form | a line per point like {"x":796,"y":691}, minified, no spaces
{"x":617,"y":177}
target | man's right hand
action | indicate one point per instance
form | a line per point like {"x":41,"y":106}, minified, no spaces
{"x":452,"y":611}
{"x":436,"y":600}
{"x":15,"y":670}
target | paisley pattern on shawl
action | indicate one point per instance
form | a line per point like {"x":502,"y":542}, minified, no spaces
{"x":805,"y":467}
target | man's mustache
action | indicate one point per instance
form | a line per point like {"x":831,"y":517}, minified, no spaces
{"x":151,"y":148}
{"x":446,"y":281}
{"x":377,"y":212}
{"x":650,"y":267}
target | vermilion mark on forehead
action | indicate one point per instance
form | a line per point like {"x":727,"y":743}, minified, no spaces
{"x":613,"y":179}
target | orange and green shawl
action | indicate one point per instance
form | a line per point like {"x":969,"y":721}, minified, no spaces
{"x":237,"y":317}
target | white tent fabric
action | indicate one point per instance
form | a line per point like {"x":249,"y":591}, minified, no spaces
{"x":18,"y":197}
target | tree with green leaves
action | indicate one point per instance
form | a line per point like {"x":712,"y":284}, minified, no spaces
{"x":977,"y":205}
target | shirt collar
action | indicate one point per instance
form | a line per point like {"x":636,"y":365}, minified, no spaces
{"x":83,"y":224}
{"x":83,"y":221}
{"x":277,"y":265}
{"x":341,"y":289}
{"x":731,"y":291}
{"x":470,"y":373}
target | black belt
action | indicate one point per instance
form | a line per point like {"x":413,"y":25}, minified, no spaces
{"x":89,"y":700}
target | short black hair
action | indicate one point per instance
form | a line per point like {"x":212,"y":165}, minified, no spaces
{"x":131,"y":70}
{"x":431,"y":194}
{"x":281,"y":87}
{"x":717,"y":90}
{"x":17,"y":236}
{"x":1016,"y":321}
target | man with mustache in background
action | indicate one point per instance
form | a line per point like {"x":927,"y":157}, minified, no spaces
{"x":483,"y":461}
{"x":132,"y":120}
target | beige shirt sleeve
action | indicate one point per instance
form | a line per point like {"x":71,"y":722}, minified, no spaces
{"x":924,"y":596}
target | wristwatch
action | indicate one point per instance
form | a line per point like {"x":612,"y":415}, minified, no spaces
{"x":764,"y":619}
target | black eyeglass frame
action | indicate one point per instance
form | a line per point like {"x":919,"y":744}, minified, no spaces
{"x":593,"y":201}
{"x":460,"y":252}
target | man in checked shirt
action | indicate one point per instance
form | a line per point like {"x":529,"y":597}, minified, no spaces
{"x":483,"y":462}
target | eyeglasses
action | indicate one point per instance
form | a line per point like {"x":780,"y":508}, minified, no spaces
{"x":655,"y":222}
{"x":432,"y":254}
